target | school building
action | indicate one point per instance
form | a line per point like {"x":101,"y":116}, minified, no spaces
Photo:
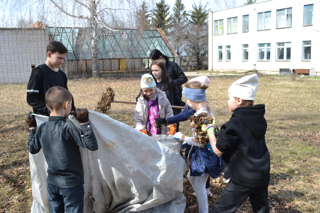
{"x":273,"y":36}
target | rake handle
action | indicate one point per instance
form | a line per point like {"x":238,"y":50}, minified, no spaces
{"x":130,"y":102}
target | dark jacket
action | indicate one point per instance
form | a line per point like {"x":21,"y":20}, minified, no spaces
{"x":176,"y":74}
{"x":41,"y":79}
{"x":242,"y":141}
{"x":60,"y":140}
{"x":182,"y":116}
{"x":172,"y":94}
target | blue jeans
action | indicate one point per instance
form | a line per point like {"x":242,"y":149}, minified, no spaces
{"x":69,"y":200}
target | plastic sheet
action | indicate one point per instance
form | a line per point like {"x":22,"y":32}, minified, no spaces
{"x":130,"y":172}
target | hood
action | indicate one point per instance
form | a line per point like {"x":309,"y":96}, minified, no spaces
{"x":253,"y":117}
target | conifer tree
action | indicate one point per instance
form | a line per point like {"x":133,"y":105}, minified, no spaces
{"x":161,"y":16}
{"x":143,"y":17}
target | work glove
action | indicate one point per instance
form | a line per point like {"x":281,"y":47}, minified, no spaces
{"x":82,"y":115}
{"x":172,"y":128}
{"x":31,"y":121}
{"x":178,"y":136}
{"x":160,"y":122}
{"x":147,"y":132}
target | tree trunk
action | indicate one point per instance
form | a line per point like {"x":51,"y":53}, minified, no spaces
{"x":94,"y":39}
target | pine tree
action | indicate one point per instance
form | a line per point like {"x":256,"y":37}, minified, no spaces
{"x":179,"y":26}
{"x":143,"y":17}
{"x":161,"y":16}
{"x":198,"y":34}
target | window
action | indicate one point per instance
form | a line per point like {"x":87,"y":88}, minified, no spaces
{"x":245,"y":52}
{"x":232,"y":25}
{"x":306,"y":48}
{"x":218,"y":27}
{"x":264,"y":20}
{"x":264,"y":52}
{"x":228,"y":52}
{"x":245,"y":23}
{"x":284,"y":18}
{"x":307,"y":15}
{"x":284,"y":51}
{"x":220,"y":53}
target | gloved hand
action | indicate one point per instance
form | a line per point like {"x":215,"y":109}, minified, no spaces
{"x":172,"y":128}
{"x":178,"y":136}
{"x":160,"y":122}
{"x":31,"y":121}
{"x":145,"y":131}
{"x":82,"y":115}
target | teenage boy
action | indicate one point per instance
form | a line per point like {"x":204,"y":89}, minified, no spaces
{"x":241,"y":142}
{"x":45,"y":76}
{"x":60,"y":140}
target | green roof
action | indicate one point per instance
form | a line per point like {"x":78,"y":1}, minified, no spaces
{"x":123,"y":43}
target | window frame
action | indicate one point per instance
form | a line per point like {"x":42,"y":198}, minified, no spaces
{"x":232,"y":22}
{"x":243,"y":53}
{"x":220,"y":50}
{"x":303,"y":50}
{"x":218,"y":23}
{"x":285,"y":51}
{"x":304,"y":15}
{"x":265,"y":48}
{"x":228,"y":49}
{"x":243,"y":23}
{"x":264,"y":21}
{"x":286,"y":18}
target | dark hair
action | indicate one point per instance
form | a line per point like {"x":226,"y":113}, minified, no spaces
{"x":56,"y":96}
{"x":246,"y":102}
{"x":56,"y":46}
{"x":156,"y":54}
{"x":164,"y":77}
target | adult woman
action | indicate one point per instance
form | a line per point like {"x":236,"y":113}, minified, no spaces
{"x":166,"y":84}
{"x":173,"y":70}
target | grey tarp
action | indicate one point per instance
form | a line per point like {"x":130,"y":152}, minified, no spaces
{"x":130,"y":172}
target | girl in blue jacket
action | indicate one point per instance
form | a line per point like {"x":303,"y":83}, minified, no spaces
{"x":203,"y":161}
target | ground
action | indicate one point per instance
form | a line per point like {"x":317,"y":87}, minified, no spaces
{"x":293,"y":137}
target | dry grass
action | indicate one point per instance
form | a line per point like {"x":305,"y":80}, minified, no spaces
{"x":292,"y":112}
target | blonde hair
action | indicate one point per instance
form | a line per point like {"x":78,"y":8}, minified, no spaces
{"x":200,"y":104}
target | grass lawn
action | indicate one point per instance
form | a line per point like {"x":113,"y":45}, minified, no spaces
{"x":293,"y":136}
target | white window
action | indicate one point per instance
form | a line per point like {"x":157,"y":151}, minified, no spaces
{"x":307,"y":14}
{"x":264,"y":20}
{"x":232,"y":25}
{"x":306,"y":48}
{"x":220,"y":54}
{"x":245,"y":23}
{"x":228,"y":52}
{"x":284,"y":18}
{"x":284,"y":51}
{"x":264,"y":51}
{"x":245,"y":52}
{"x":218,"y":27}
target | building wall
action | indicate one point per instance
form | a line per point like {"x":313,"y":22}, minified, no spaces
{"x":296,"y":35}
{"x":19,"y":50}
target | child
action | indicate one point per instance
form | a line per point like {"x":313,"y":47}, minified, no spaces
{"x":45,"y":76}
{"x":152,"y":104}
{"x":203,"y":161}
{"x":241,"y":142}
{"x":60,"y":141}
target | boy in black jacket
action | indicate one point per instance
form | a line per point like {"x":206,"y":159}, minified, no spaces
{"x":45,"y":76}
{"x":241,"y":142}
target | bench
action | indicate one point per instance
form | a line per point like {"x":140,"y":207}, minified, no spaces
{"x":302,"y":71}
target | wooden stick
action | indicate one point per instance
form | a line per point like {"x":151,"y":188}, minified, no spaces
{"x":130,"y":102}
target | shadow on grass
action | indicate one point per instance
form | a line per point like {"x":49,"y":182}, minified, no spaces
{"x":274,"y":178}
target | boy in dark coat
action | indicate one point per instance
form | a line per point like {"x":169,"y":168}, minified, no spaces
{"x":241,"y":142}
{"x":45,"y":76}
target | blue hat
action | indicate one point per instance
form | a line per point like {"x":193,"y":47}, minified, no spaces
{"x":147,"y":81}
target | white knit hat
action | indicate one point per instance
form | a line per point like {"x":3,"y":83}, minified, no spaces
{"x":147,"y":81}
{"x":245,"y":87}
{"x":202,"y":79}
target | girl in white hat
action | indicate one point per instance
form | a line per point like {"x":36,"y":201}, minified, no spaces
{"x":152,"y":104}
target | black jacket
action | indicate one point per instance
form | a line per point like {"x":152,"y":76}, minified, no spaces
{"x":176,"y":74}
{"x":242,"y":141}
{"x":41,"y":79}
{"x":172,"y":94}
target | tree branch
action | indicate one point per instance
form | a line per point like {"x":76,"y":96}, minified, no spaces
{"x":69,"y":14}
{"x":79,"y":2}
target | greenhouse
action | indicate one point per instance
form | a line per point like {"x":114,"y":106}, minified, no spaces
{"x":119,"y":50}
